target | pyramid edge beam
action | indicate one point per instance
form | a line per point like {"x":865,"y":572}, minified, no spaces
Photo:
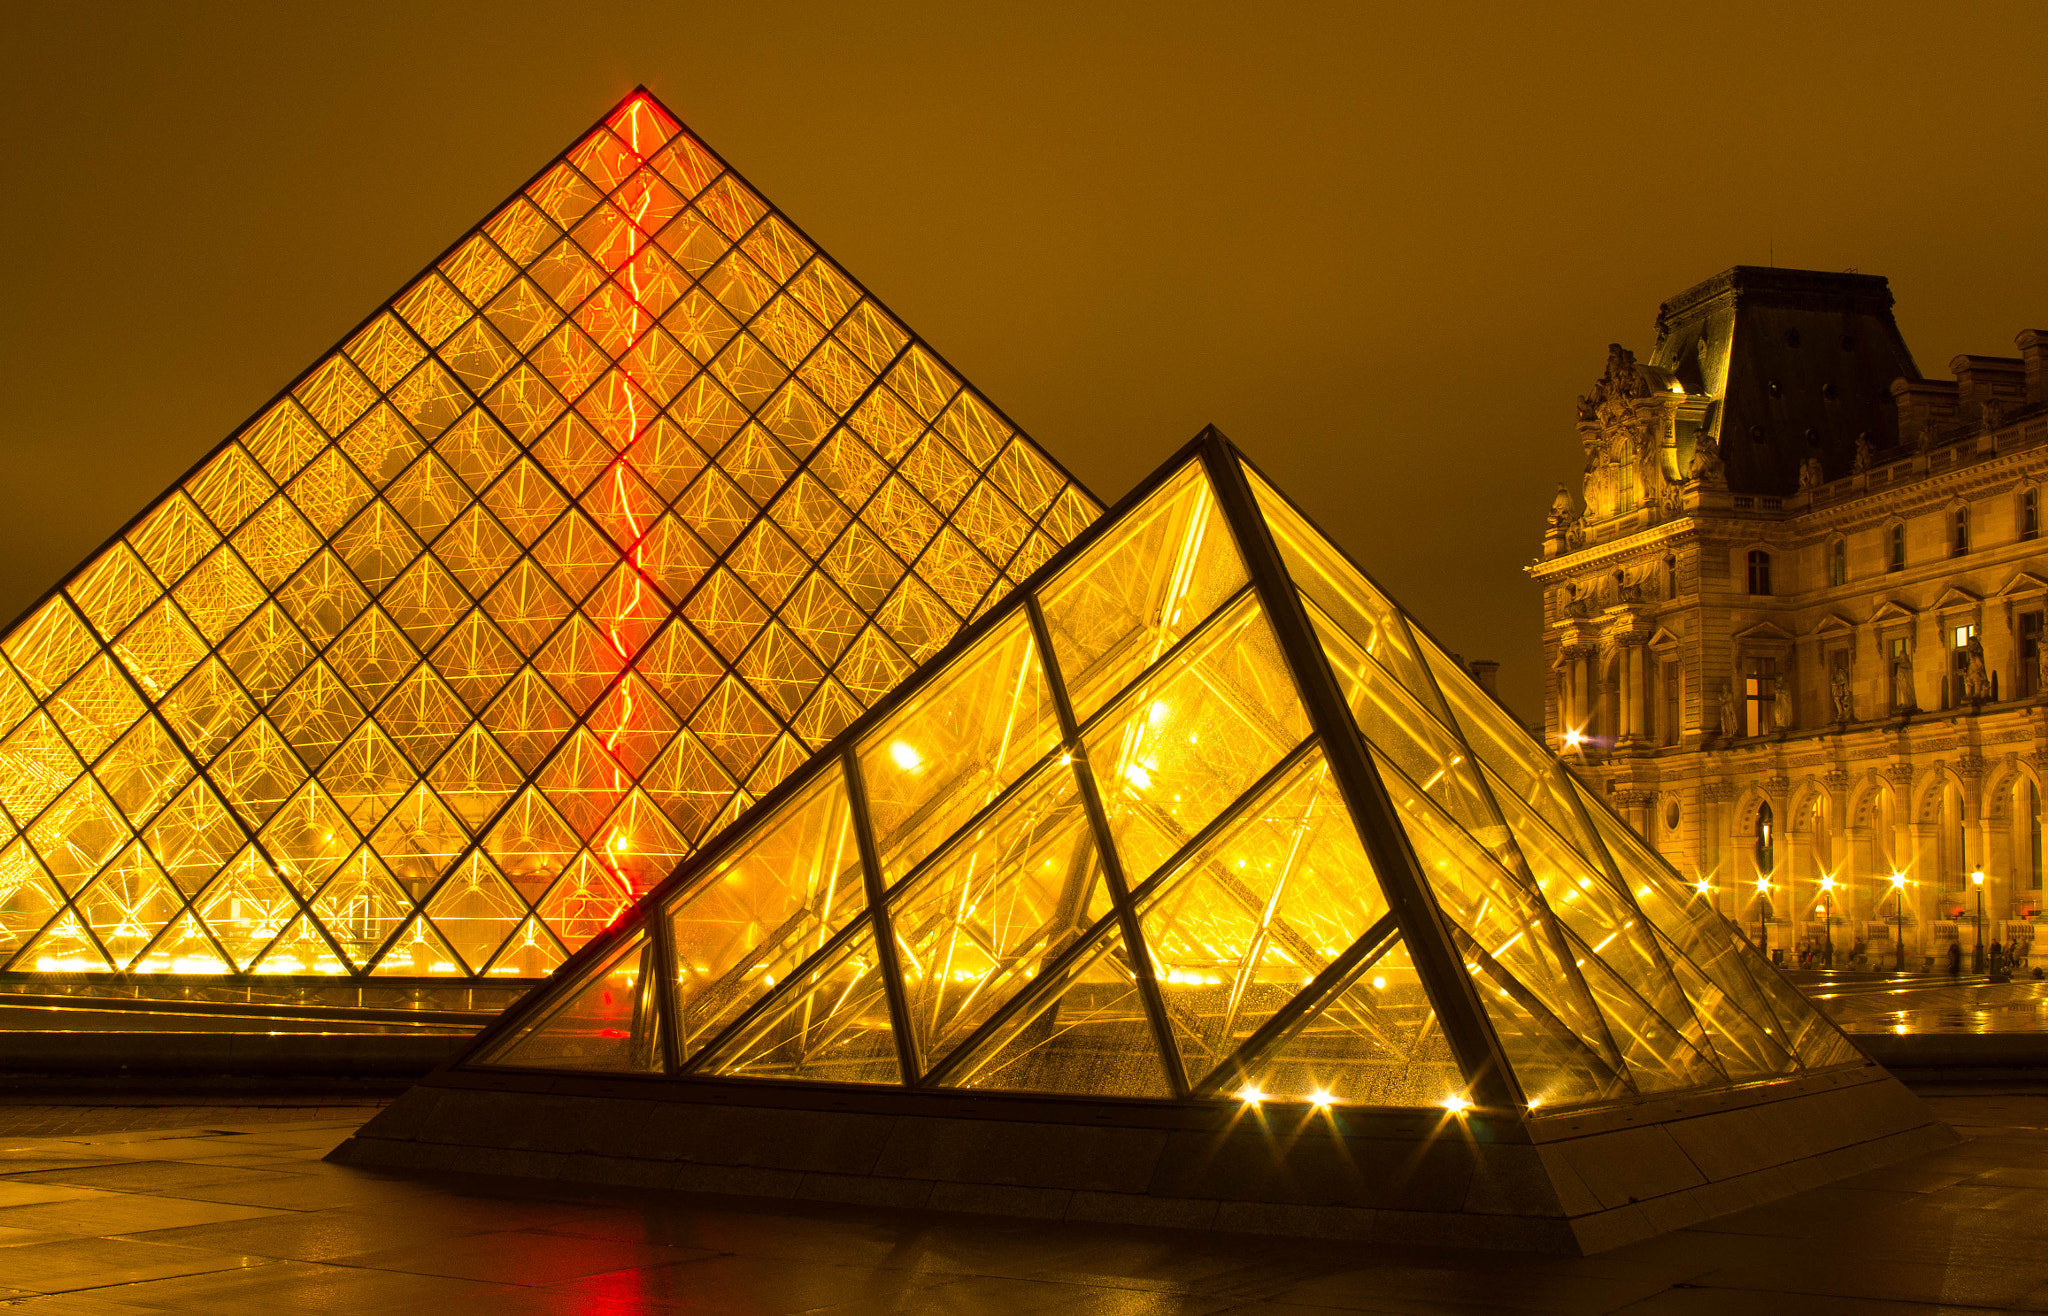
{"x":1424,"y":930}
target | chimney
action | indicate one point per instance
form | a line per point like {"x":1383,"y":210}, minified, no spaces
{"x":2033,"y":345}
{"x":1982,"y":379}
{"x":1925,"y":407}
{"x":1484,"y":671}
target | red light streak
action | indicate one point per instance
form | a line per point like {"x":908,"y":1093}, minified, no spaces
{"x":613,"y":842}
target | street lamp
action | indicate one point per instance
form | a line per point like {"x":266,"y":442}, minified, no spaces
{"x":1977,"y":955}
{"x":1763,"y":923}
{"x":1827,"y":888}
{"x":1899,"y":911}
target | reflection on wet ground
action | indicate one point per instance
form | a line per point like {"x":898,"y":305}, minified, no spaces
{"x":1930,"y":1005}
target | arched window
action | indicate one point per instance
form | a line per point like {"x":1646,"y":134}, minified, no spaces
{"x":2030,"y":822}
{"x":1766,"y":842}
{"x":1759,"y":571}
{"x":1896,"y":559}
{"x":1838,"y":562}
{"x":2030,"y":514}
{"x":1961,"y":541}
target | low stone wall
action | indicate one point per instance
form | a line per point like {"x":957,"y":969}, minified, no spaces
{"x":1560,"y":1183}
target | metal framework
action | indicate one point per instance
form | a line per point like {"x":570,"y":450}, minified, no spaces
{"x":566,"y":556}
{"x":1195,"y":813}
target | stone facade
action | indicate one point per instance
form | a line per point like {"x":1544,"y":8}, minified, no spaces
{"x":1794,"y":618}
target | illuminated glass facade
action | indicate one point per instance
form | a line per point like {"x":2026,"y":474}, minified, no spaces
{"x":1200,"y":813}
{"x":568,"y":554}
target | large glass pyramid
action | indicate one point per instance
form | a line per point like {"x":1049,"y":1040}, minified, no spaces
{"x":573,"y":550}
{"x":1196,"y":813}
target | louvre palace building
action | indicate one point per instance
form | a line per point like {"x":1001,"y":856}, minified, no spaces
{"x":1793,"y":618}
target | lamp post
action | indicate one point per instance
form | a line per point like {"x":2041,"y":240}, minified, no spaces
{"x":1899,"y":912}
{"x":1977,"y":955}
{"x":1763,"y":923}
{"x":1827,"y":918}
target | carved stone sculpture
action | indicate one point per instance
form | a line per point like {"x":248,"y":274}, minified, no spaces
{"x":1838,"y":686}
{"x":1727,"y":712}
{"x":1863,"y":454}
{"x":1902,"y":683}
{"x":1707,"y":467}
{"x":1976,"y":677}
{"x":1810,"y":474}
{"x":1561,"y":507}
{"x":1781,"y":707}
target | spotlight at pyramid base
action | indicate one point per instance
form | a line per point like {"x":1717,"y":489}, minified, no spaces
{"x":550,"y":569}
{"x":1191,"y":885}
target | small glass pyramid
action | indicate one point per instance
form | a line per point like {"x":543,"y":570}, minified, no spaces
{"x":564,"y":557}
{"x":1195,"y":813}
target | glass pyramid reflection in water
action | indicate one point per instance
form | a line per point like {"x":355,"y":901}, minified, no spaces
{"x":574,"y":549}
{"x":1197,"y":813}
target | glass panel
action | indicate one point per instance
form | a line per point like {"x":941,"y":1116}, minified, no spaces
{"x":1140,"y":588}
{"x":1553,"y":1067}
{"x":1646,"y":1012}
{"x":245,"y":907}
{"x":185,"y":948}
{"x":969,"y":733}
{"x":1246,"y":925}
{"x":605,"y":1020}
{"x":128,"y":905}
{"x":779,"y":895}
{"x":999,"y":906}
{"x":829,"y":1024}
{"x":1085,"y":1034}
{"x":28,"y":899}
{"x":1493,"y":908}
{"x":1716,"y":951}
{"x":1746,"y":1049}
{"x":1520,"y":766}
{"x":1357,"y":607}
{"x":1194,"y":736}
{"x":1398,"y":727}
{"x":1375,"y":1041}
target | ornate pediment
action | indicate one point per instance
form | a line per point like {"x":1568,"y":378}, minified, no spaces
{"x":1766,"y":632}
{"x":1834,"y":623}
{"x":2023,"y":583}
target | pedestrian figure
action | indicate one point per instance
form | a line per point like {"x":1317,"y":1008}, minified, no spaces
{"x":1955,"y":958}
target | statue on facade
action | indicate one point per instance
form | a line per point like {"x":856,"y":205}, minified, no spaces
{"x":1727,"y":712}
{"x":1781,"y":707}
{"x":1707,"y":467}
{"x":1976,"y":677}
{"x":1561,"y":509}
{"x":2041,"y":671}
{"x":1902,"y":682}
{"x":1863,"y":453}
{"x":1810,"y":474}
{"x":1838,"y":686}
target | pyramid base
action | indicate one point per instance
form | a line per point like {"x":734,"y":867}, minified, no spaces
{"x":1572,"y":1183}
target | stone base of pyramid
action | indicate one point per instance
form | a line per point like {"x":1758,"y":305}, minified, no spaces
{"x":1572,"y":1183}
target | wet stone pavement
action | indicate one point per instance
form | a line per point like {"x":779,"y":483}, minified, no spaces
{"x":240,"y":1215}
{"x":1932,"y":1005}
